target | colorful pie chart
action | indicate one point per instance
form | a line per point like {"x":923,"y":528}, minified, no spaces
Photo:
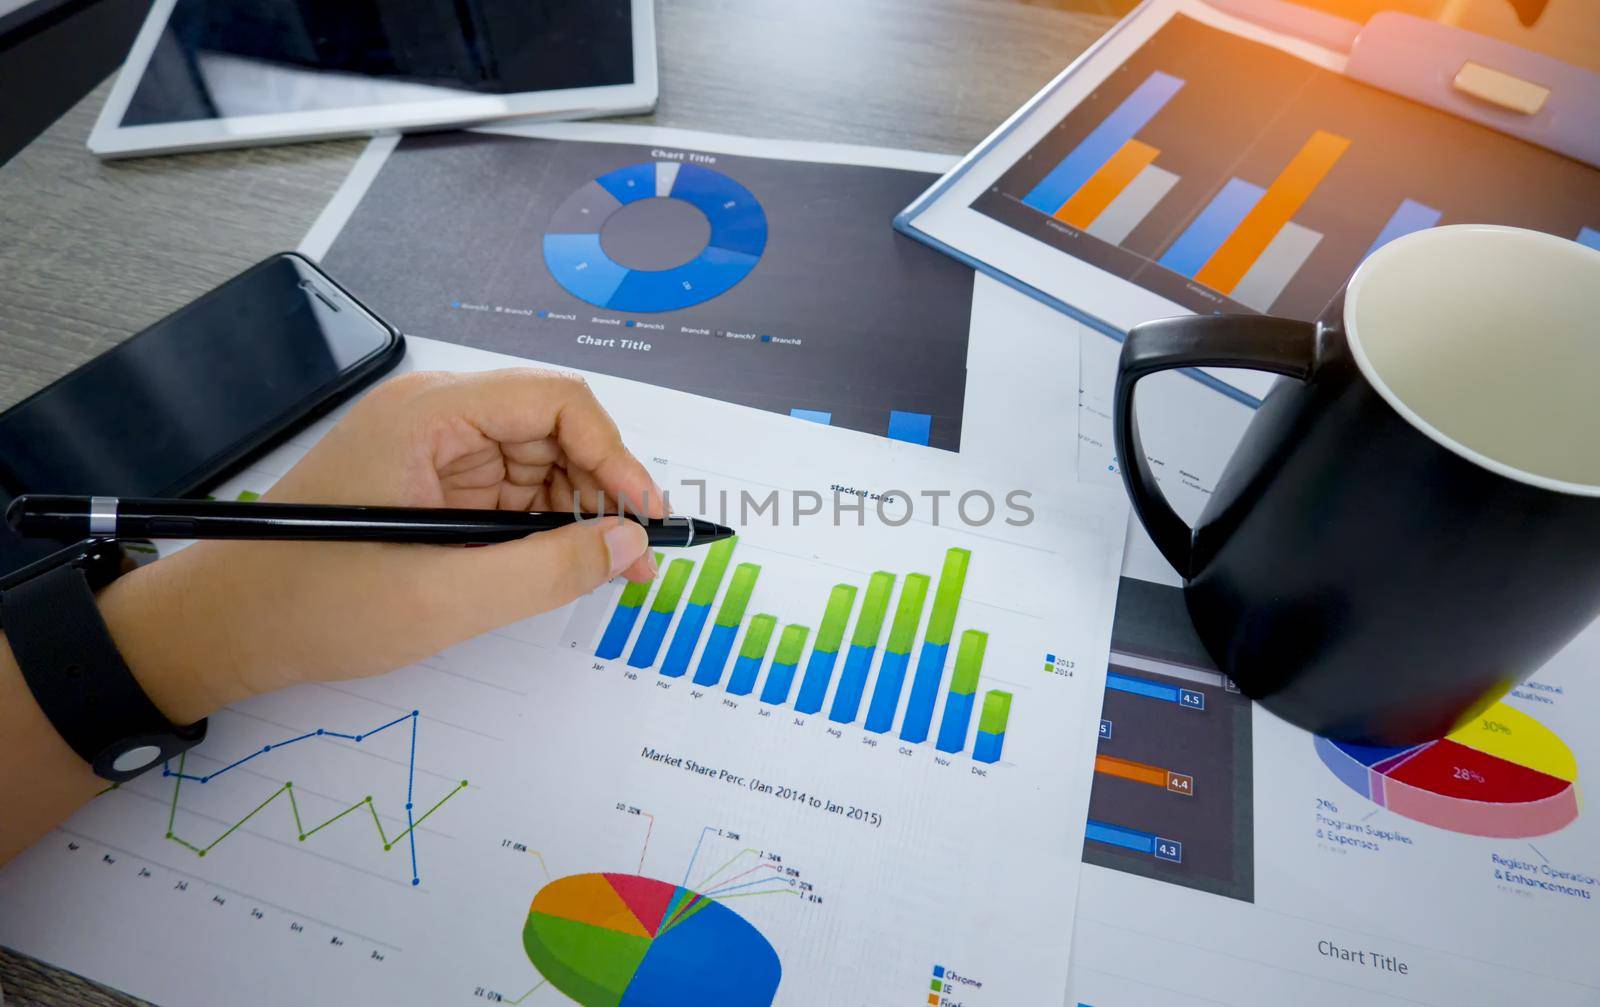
{"x":657,"y":236}
{"x":1504,"y":775}
{"x":623,"y":940}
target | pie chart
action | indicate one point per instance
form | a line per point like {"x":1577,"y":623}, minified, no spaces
{"x":1503,"y":775}
{"x":624,"y":940}
{"x":656,"y":236}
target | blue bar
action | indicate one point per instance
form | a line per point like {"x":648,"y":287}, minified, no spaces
{"x":814,"y":415}
{"x":886,"y":694}
{"x":1589,"y":236}
{"x":852,"y":685}
{"x":715,"y":657}
{"x":924,"y":692}
{"x":1142,"y":687}
{"x":685,"y":640}
{"x":617,"y":630}
{"x":1116,"y":835}
{"x":953,"y":725}
{"x":1116,"y":129}
{"x":743,"y":679}
{"x":1409,"y":216}
{"x":648,"y":645}
{"x":987,"y":747}
{"x":1201,"y":239}
{"x":779,"y":679}
{"x":913,"y":428}
{"x":814,"y":687}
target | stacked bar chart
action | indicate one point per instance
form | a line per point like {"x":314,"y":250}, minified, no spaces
{"x":830,"y":670}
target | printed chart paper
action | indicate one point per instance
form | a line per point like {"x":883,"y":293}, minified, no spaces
{"x":1260,"y":865}
{"x":819,"y":764}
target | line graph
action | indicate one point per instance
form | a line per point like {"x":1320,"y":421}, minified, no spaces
{"x":180,"y":775}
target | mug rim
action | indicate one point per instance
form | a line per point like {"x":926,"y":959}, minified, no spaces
{"x":1449,"y":232}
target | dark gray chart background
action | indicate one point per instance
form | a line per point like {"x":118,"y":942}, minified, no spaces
{"x":1244,"y":110}
{"x":1216,"y":824}
{"x":881,"y":320}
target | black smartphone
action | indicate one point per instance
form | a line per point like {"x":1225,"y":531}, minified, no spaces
{"x":177,"y":407}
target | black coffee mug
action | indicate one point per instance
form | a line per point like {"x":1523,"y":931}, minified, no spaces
{"x":1411,"y":523}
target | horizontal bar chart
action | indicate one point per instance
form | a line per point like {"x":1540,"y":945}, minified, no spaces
{"x":831,"y":669}
{"x":1194,"y":699}
{"x":1138,"y":772}
{"x":1134,"y":840}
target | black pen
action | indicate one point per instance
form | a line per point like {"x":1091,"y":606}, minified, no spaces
{"x":70,"y":518}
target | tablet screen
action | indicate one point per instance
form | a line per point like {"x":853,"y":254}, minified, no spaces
{"x":226,"y":58}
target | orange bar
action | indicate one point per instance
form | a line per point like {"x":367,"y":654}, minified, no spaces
{"x":1282,"y":200}
{"x":1104,"y":185}
{"x":1138,"y":772}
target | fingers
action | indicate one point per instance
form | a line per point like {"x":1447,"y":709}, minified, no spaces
{"x":491,"y":587}
{"x":517,"y":407}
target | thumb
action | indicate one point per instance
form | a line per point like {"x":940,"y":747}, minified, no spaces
{"x":501,"y":584}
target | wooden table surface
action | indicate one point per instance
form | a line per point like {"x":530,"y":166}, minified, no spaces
{"x":91,"y":252}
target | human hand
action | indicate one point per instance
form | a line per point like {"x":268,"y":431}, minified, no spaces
{"x":219,"y":621}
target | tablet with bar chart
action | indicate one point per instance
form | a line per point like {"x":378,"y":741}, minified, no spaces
{"x":1196,"y":163}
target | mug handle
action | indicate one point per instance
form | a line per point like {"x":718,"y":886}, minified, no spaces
{"x":1257,"y":342}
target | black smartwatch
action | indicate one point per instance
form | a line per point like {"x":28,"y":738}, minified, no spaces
{"x":79,"y":678}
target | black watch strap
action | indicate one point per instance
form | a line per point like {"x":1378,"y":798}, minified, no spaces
{"x":80,"y":680}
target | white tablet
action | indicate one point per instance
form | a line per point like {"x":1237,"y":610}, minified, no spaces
{"x":205,"y":74}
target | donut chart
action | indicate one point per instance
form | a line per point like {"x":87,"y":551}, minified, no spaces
{"x":577,"y":259}
{"x":625,"y":940}
{"x":1503,"y":775}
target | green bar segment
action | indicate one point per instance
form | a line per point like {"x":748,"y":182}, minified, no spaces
{"x":672,"y":586}
{"x":996,"y":711}
{"x":948,"y":597}
{"x":870,"y":622}
{"x":248,"y":496}
{"x":758,"y":636}
{"x":840,"y":600}
{"x":969,"y":661}
{"x":634,"y":594}
{"x":791,"y":645}
{"x":738,"y":596}
{"x":908,"y":613}
{"x":711,"y":571}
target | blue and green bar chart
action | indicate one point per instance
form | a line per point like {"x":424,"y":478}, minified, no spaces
{"x":789,"y":665}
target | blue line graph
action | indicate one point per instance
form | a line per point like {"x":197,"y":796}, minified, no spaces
{"x":412,"y":821}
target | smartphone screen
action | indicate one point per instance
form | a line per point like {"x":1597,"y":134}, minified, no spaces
{"x":176,"y":406}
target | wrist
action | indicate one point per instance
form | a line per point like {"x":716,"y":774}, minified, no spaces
{"x":172,"y":628}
